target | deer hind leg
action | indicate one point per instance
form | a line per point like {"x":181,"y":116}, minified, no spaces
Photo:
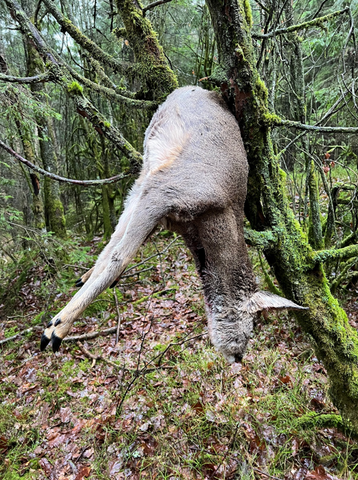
{"x":143,"y":217}
{"x":83,"y":278}
{"x":130,"y":206}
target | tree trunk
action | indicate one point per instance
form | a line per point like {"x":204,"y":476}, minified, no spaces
{"x":297,"y":268}
{"x":54,"y":211}
{"x":152,"y":69}
{"x":37,"y":203}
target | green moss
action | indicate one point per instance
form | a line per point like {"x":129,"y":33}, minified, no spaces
{"x":248,"y":14}
{"x":270,"y":119}
{"x":57,"y":217}
{"x":261,"y":90}
{"x":107,"y":124}
{"x":314,"y":420}
{"x":315,"y":224}
{"x":75,"y":88}
{"x":157,"y":79}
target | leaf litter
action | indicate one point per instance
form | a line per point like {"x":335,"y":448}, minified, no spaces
{"x":162,"y":403}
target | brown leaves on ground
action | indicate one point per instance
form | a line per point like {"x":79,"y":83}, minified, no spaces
{"x":167,"y":405}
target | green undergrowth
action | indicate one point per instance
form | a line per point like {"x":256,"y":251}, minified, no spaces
{"x":46,"y":268}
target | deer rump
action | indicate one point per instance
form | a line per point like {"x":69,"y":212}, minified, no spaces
{"x":193,"y":181}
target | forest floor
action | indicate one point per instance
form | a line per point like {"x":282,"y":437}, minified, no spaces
{"x":161,"y":403}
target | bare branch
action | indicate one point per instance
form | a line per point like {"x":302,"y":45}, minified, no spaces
{"x":333,"y":110}
{"x":262,"y":6}
{"x":316,"y":22}
{"x":320,"y":8}
{"x":275,"y":121}
{"x":155,"y":4}
{"x":29,"y":29}
{"x":96,"y":357}
{"x":84,"y":106}
{"x":87,"y":336}
{"x":8,"y":339}
{"x":111,"y":93}
{"x":58,"y":178}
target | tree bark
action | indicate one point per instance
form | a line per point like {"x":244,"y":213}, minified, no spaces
{"x":156,"y":77}
{"x":290,"y":256}
{"x":54,"y":212}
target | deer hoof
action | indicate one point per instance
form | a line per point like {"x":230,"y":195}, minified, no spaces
{"x":56,"y":342}
{"x":44,"y":342}
{"x":79,"y":282}
{"x":113,"y":284}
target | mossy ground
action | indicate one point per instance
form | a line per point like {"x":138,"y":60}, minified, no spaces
{"x":168,"y":406}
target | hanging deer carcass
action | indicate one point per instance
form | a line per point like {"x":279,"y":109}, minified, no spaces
{"x":194,"y":182}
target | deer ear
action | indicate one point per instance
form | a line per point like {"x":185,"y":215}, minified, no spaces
{"x":268,"y":301}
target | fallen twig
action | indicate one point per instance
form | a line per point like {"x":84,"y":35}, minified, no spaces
{"x":229,"y":447}
{"x":88,"y":336}
{"x":155,"y":295}
{"x":118,"y":314}
{"x":266,"y":474}
{"x":8,"y":339}
{"x":95,"y":357}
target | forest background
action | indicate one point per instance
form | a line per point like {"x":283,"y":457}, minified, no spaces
{"x":79,"y":83}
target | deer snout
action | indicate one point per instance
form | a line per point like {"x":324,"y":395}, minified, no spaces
{"x":238,"y":358}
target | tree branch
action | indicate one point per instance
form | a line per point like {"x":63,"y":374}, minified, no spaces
{"x":111,"y":93}
{"x":29,"y":29}
{"x":58,"y":178}
{"x":107,"y":82}
{"x":155,"y":4}
{"x":85,"y":42}
{"x":336,"y":254}
{"x":43,"y":77}
{"x":84,"y":106}
{"x":316,"y":22}
{"x":262,"y":240}
{"x":276,"y":121}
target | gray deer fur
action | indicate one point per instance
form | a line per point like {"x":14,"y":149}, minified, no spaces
{"x":193,"y":181}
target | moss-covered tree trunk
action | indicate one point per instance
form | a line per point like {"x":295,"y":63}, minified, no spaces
{"x":26,"y":136}
{"x":29,"y":152}
{"x":296,"y":266}
{"x":54,"y":211}
{"x":152,"y":68}
{"x":53,"y":207}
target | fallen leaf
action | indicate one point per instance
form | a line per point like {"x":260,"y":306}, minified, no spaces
{"x":83,"y":472}
{"x":319,"y":473}
{"x":65,"y":414}
{"x":46,"y":465}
